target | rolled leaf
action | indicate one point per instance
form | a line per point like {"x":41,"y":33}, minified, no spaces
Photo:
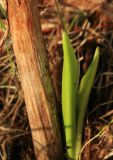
{"x":70,"y":81}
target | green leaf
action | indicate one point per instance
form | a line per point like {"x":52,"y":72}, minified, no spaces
{"x":86,"y":85}
{"x":70,"y":82}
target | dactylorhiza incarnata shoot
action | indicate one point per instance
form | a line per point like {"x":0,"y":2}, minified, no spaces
{"x":75,"y":96}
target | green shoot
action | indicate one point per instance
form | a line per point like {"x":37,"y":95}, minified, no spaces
{"x":75,"y":97}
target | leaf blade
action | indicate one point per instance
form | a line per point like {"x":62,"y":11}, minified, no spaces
{"x":70,"y":81}
{"x":86,"y":85}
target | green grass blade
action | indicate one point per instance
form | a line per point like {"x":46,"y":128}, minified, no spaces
{"x":86,"y":85}
{"x":70,"y":82}
{"x":2,"y":15}
{"x":2,"y":26}
{"x":3,"y":11}
{"x":78,"y":19}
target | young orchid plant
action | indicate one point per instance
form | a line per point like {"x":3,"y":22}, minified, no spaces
{"x":75,"y":96}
